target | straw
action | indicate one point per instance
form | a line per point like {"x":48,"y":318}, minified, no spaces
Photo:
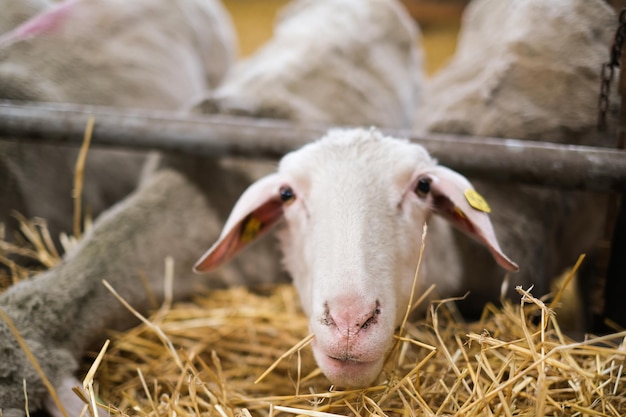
{"x":78,"y":176}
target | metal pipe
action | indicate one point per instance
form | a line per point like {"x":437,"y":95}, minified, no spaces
{"x":538,"y":163}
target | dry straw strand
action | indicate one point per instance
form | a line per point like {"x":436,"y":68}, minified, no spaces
{"x":568,"y":279}
{"x":79,"y":176}
{"x":297,"y":347}
{"x":414,"y":284}
{"x":26,"y":410}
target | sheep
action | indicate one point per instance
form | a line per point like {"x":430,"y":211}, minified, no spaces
{"x":515,"y":79}
{"x":557,"y":65}
{"x":199,"y":38}
{"x":162,"y":54}
{"x":317,"y":51}
{"x":354,"y":204}
{"x":66,"y":309}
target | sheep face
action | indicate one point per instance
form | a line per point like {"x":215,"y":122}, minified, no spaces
{"x":349,"y":209}
{"x":354,"y":204}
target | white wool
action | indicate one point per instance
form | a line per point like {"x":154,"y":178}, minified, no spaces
{"x":342,"y":62}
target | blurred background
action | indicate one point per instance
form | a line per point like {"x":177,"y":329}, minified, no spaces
{"x":439,"y":21}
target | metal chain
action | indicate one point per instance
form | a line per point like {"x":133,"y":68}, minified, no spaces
{"x":608,"y":70}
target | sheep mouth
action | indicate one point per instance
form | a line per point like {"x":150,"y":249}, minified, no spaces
{"x":346,"y":360}
{"x":348,"y":372}
{"x":349,"y":359}
{"x":349,"y":365}
{"x":348,"y":369}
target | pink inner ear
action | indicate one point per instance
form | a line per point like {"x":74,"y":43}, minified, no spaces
{"x":46,"y":22}
{"x":449,"y":201}
{"x":257,"y":211}
{"x":478,"y":226}
{"x":252,"y":227}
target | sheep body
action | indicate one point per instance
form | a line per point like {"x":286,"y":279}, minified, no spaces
{"x":188,"y":44}
{"x":162,"y":53}
{"x":363,"y":49}
{"x":64,"y":311}
{"x":535,"y":83}
{"x":556,"y":64}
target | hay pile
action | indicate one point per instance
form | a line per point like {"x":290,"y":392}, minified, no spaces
{"x":202,"y":359}
{"x":503,"y":365}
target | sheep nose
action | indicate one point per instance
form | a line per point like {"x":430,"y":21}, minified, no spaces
{"x":348,"y":319}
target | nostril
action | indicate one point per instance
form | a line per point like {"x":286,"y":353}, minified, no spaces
{"x":327,"y":319}
{"x":373,"y":318}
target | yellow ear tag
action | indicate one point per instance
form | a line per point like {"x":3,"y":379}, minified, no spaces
{"x":251,"y":229}
{"x":476,"y":200}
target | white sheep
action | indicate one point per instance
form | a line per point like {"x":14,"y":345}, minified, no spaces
{"x":364,"y":51}
{"x":65,"y":310}
{"x":111,"y":70}
{"x":502,"y":51}
{"x":354,"y":204}
{"x":511,"y":77}
{"x":163,"y":53}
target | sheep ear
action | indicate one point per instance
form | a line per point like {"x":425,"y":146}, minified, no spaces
{"x":258,"y":209}
{"x":453,"y":197}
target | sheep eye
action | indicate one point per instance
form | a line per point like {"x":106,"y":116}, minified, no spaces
{"x":286,"y":194}
{"x":423,"y":187}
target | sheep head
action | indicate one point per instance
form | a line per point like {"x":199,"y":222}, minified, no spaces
{"x":354,"y":204}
